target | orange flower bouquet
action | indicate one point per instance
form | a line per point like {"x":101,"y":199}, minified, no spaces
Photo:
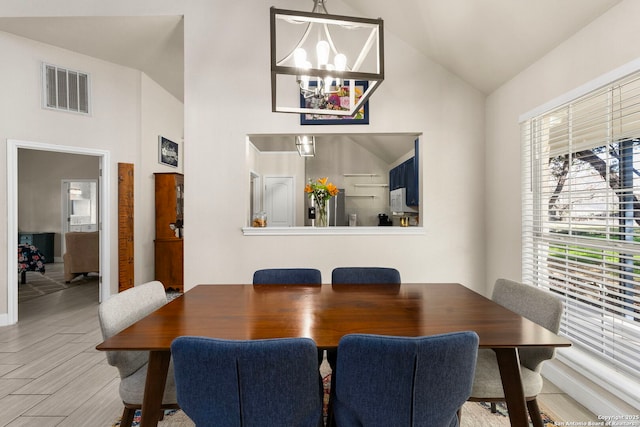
{"x":320,"y":192}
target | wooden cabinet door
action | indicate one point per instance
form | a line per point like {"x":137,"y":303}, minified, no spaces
{"x":169,"y":204}
{"x":169,"y":263}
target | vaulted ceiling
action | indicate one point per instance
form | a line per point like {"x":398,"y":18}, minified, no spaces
{"x":484,"y":42}
{"x":152,"y":44}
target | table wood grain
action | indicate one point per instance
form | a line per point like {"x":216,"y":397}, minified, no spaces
{"x":325,"y":313}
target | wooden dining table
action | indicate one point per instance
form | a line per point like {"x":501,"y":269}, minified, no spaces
{"x":325,"y":313}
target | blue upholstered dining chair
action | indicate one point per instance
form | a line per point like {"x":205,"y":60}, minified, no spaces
{"x":404,"y":381}
{"x":355,"y":276}
{"x":287,"y":276}
{"x":364,"y":275}
{"x":258,"y":383}
{"x":539,"y":306}
{"x":291,"y":276}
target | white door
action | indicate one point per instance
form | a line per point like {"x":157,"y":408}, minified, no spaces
{"x":279,"y":201}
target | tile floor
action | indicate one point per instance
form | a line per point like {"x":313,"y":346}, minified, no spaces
{"x":51,"y":374}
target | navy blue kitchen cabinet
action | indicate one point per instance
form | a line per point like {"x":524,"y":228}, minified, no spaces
{"x":405,"y":175}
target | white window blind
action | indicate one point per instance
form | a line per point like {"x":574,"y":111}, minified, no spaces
{"x":65,"y":89}
{"x":581,"y":218}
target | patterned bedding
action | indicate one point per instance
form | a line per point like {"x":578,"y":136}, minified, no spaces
{"x":30,"y":259}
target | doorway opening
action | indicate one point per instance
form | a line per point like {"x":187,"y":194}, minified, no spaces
{"x":79,"y":207}
{"x":12,"y":216}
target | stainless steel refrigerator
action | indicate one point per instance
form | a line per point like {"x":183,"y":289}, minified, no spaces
{"x":337,"y":216}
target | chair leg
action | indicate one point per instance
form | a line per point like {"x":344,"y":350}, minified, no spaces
{"x":534,"y":413}
{"x":127,"y":417}
{"x":493,"y":407}
{"x":332,"y":358}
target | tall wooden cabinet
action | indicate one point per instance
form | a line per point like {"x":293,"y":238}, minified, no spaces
{"x":169,"y":247}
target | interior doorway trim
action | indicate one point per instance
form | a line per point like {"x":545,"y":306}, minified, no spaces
{"x":12,"y":217}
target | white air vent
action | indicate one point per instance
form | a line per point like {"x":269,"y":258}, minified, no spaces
{"x":65,"y":90}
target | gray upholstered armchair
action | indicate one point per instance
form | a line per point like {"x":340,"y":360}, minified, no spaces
{"x":539,"y":306}
{"x":116,"y":314}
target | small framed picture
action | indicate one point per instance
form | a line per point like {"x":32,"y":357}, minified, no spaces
{"x":167,"y":152}
{"x":337,"y":101}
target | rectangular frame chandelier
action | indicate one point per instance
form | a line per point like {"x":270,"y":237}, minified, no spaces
{"x":345,"y":50}
{"x":306,"y":145}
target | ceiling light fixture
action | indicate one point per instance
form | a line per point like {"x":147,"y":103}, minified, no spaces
{"x":334,"y":72}
{"x":306,"y":145}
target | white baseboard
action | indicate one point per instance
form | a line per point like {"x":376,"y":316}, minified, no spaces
{"x":586,"y":392}
{"x":4,"y":320}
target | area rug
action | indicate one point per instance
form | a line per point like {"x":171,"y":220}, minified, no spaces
{"x":479,"y":414}
{"x":38,"y":284}
{"x":473,"y":414}
{"x":172,"y":418}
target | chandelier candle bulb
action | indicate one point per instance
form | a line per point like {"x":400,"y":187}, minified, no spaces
{"x":322,"y":51}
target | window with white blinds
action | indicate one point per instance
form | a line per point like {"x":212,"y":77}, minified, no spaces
{"x":66,"y":90}
{"x":581,"y":218}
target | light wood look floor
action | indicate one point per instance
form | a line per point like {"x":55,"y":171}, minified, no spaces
{"x":51,"y":374}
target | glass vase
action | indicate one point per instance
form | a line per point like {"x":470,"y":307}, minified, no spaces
{"x":322,"y":214}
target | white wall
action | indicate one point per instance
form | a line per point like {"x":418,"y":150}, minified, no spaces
{"x":26,"y":120}
{"x":602,"y":46}
{"x":128,"y":112}
{"x":160,"y":114}
{"x":224,"y":103}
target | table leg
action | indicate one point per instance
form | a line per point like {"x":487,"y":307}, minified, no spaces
{"x":154,"y":387}
{"x":509,"y":365}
